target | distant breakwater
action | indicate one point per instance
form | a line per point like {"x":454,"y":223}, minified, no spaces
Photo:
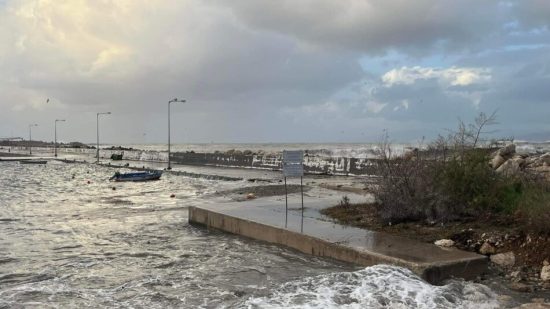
{"x":313,"y":164}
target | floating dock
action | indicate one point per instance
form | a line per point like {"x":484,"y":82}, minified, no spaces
{"x":266,"y":222}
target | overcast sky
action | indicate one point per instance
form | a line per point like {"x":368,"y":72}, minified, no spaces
{"x":272,"y":71}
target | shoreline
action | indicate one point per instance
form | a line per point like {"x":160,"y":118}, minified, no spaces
{"x":520,"y":279}
{"x":493,"y":279}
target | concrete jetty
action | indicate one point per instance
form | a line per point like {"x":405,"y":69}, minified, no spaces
{"x":15,"y":157}
{"x":265,"y":221}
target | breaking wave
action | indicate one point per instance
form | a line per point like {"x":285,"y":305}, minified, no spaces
{"x":380,"y":286}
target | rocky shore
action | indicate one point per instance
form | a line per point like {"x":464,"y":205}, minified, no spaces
{"x":519,"y":255}
{"x":508,"y":162}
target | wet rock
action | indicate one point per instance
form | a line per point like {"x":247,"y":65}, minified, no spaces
{"x":515,"y":274}
{"x":497,"y":161}
{"x":487,"y":249}
{"x":507,"y":151}
{"x":506,"y":259}
{"x":444,"y":243}
{"x":542,"y":169}
{"x":504,"y":298}
{"x":533,"y":161}
{"x":520,"y":287}
{"x":545,"y":273}
{"x":535,"y":306}
{"x":250,"y":196}
{"x":545,"y":158}
{"x":239,"y":293}
{"x":519,"y":160}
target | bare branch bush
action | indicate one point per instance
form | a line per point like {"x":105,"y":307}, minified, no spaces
{"x":449,"y":179}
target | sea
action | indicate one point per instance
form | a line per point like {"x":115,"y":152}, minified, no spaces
{"x":348,"y":150}
{"x":69,"y":238}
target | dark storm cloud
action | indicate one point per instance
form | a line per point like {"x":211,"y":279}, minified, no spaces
{"x":375,"y":26}
{"x":270,"y":70}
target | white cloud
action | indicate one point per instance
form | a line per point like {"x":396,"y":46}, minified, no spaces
{"x":453,"y":76}
{"x":251,"y":57}
{"x":374,"y":107}
{"x":404,"y":105}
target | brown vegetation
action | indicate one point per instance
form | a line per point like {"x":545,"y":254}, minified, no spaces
{"x":452,"y":180}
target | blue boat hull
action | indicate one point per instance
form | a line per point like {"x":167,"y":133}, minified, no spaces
{"x":139,"y":176}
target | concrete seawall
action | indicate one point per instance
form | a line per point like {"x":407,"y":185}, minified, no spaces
{"x":313,"y":164}
{"x":326,"y":239}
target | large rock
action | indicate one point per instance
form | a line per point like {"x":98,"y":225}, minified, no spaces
{"x":532,"y":160}
{"x":509,"y":168}
{"x":507,"y":151}
{"x":545,"y":273}
{"x":487,"y":249}
{"x":497,"y":161}
{"x":535,"y":306}
{"x":520,"y":287}
{"x":506,"y":259}
{"x":545,"y":158}
{"x":519,"y":160}
{"x":542,"y":169}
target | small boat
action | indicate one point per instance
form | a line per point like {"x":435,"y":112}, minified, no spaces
{"x":33,"y":161}
{"x":137,"y":176}
{"x":117,"y":156}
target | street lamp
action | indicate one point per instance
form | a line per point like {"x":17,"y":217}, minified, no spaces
{"x":55,"y":136}
{"x":171,"y":101}
{"x":97,"y":127}
{"x":30,"y":137}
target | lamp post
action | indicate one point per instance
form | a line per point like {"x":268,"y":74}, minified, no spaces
{"x":55,"y":136}
{"x":30,"y":137}
{"x":171,"y":101}
{"x":97,"y":128}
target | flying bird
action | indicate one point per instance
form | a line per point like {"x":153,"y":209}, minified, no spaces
{"x":48,"y":100}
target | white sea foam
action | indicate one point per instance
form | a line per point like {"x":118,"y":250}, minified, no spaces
{"x":348,"y":150}
{"x":380,"y":286}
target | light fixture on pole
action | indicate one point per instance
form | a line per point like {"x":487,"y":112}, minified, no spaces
{"x":97,"y":129}
{"x":55,"y":136}
{"x":171,"y":101}
{"x":30,"y":137}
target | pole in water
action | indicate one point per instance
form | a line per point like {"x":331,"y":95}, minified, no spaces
{"x":286,"y":206}
{"x":302,"y":190}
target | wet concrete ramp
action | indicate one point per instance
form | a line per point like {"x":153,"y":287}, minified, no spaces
{"x":266,"y":222}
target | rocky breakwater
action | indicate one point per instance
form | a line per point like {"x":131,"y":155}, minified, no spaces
{"x":508,"y":162}
{"x":313,"y":164}
{"x":519,"y":252}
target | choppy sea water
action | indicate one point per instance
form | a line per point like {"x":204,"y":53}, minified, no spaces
{"x":348,"y":150}
{"x":68,"y":243}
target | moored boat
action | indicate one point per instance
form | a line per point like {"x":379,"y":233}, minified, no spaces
{"x":137,"y":176}
{"x":117,"y":156}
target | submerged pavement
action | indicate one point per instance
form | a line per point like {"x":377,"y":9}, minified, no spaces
{"x":265,"y":220}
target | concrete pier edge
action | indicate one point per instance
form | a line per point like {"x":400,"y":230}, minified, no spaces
{"x":434,"y":272}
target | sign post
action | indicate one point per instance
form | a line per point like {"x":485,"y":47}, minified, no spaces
{"x":286,"y":206}
{"x":293,"y":166}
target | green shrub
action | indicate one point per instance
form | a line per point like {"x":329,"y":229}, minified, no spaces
{"x":533,"y":207}
{"x":453,"y":180}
